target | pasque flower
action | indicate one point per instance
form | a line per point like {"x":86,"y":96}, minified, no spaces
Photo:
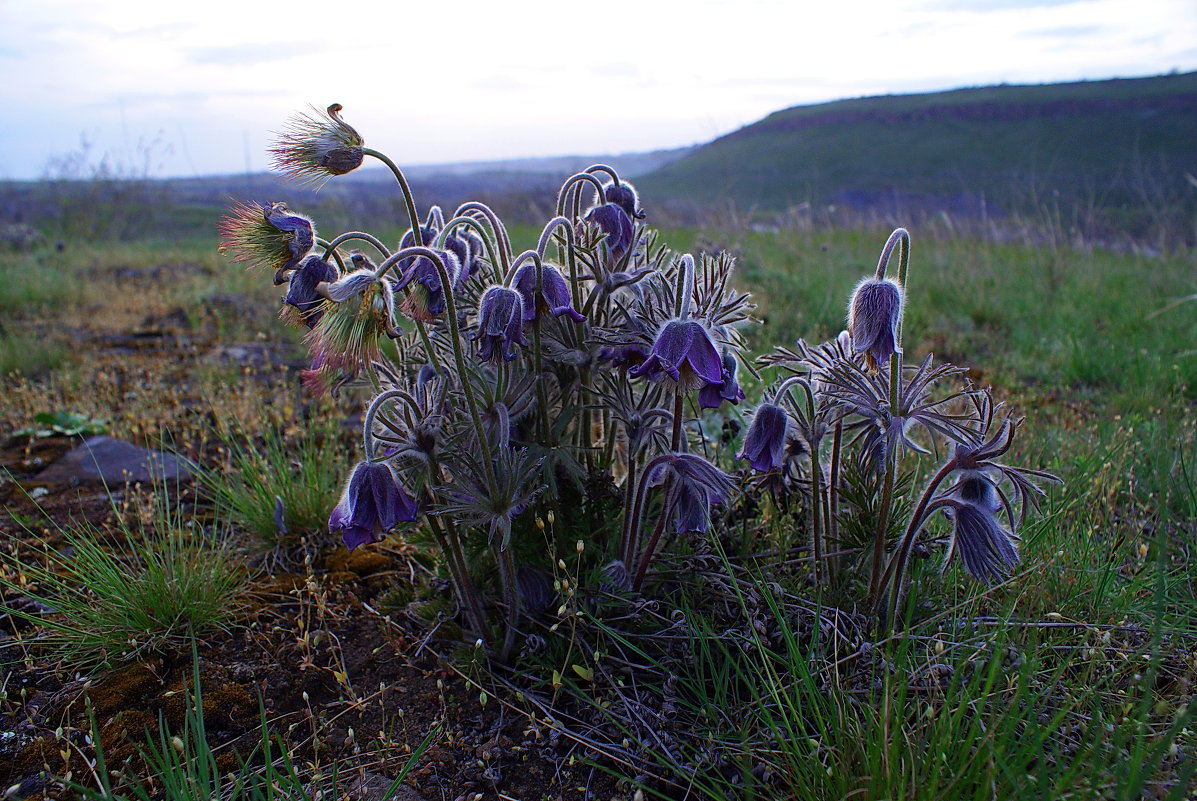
{"x":500,"y":324}
{"x":261,"y":235}
{"x":426,"y":300}
{"x":986,"y":548}
{"x":317,"y":146}
{"x":372,"y":503}
{"x":624,"y":195}
{"x":683,"y":350}
{"x":873,"y":316}
{"x":348,"y":334}
{"x":554,"y":292}
{"x":765,"y":442}
{"x":694,"y":486}
{"x":303,"y":304}
{"x":616,"y":223}
{"x":712,"y":396}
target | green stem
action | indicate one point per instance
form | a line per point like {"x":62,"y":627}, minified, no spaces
{"x":896,"y":569}
{"x":675,"y":442}
{"x":887,"y":493}
{"x":577,"y":178}
{"x":816,"y":505}
{"x":485,"y":236}
{"x":833,"y":494}
{"x":500,"y":230}
{"x":416,"y":232}
{"x":458,"y":354}
{"x":374,"y":241}
{"x":450,"y":545}
{"x":629,"y":495}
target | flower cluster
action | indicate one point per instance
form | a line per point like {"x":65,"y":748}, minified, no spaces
{"x":538,"y":382}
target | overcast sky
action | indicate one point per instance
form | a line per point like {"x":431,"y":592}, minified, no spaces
{"x":192,"y":88}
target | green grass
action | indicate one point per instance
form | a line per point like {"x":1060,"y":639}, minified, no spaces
{"x":304,"y":474}
{"x":142,"y":588}
{"x":778,"y":705}
{"x":30,"y":355}
{"x":1027,"y":148}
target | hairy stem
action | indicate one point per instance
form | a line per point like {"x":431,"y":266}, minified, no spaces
{"x":417,"y":234}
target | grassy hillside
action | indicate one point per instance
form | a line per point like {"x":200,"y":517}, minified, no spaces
{"x":1119,"y":147}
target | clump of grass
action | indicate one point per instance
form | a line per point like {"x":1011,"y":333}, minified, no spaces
{"x":140,"y":589}
{"x":29,"y":354}
{"x":964,"y":707}
{"x":278,"y":491}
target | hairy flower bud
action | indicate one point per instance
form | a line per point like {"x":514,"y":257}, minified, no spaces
{"x":684,"y":352}
{"x":500,"y":324}
{"x":316,"y":147}
{"x":873,"y":316}
{"x":765,"y":442}
{"x":624,"y":195}
{"x":554,"y":292}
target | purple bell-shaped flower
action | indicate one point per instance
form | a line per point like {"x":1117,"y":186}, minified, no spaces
{"x":765,"y":442}
{"x":500,"y":324}
{"x":554,"y":292}
{"x":873,"y":316}
{"x":986,"y":548}
{"x":303,"y":297}
{"x":712,"y":396}
{"x":684,"y":352}
{"x":373,"y":503}
{"x":613,"y":221}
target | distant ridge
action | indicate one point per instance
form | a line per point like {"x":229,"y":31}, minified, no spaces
{"x":630,"y":165}
{"x":1109,"y":143}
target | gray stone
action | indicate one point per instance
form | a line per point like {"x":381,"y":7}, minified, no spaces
{"x":113,"y":462}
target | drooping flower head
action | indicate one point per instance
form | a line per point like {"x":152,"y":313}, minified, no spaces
{"x":468,"y":248}
{"x":372,"y":503}
{"x":873,"y":316}
{"x":694,"y":486}
{"x":500,"y":324}
{"x":349,"y":333}
{"x":613,"y":221}
{"x":554,"y":292}
{"x":712,"y":396}
{"x":765,"y":442}
{"x":626,"y":356}
{"x":261,"y":235}
{"x":684,"y":352}
{"x":317,"y":146}
{"x":304,"y":302}
{"x":986,"y":548}
{"x":624,"y":195}
{"x":426,"y":300}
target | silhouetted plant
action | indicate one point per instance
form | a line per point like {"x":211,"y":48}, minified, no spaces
{"x":532,"y":381}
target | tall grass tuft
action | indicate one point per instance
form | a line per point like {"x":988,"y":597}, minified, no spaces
{"x":141,"y":588}
{"x":277,"y":491}
{"x":961,"y":711}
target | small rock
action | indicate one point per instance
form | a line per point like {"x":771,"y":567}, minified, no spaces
{"x":112,"y":461}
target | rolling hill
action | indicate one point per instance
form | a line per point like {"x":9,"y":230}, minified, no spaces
{"x":1115,"y":145}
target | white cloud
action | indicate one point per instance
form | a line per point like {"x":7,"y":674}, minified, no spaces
{"x":497,"y":80}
